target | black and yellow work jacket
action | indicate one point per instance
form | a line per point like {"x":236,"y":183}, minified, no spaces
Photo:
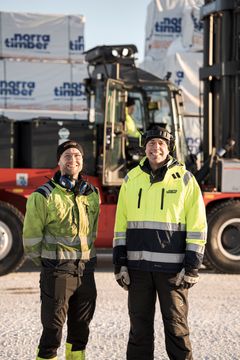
{"x":160,"y":220}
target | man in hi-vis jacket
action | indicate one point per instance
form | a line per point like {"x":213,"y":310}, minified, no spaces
{"x":159,"y":237}
{"x":59,"y":231}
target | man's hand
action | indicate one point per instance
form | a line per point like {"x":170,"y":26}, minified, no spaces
{"x":122,"y":276}
{"x":187,"y":278}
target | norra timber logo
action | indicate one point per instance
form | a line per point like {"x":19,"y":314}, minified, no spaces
{"x":169,"y":25}
{"x":77,"y":45}
{"x":28,"y":41}
{"x":17,"y":88}
{"x":69,"y":89}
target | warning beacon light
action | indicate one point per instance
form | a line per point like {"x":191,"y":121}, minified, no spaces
{"x":110,"y":53}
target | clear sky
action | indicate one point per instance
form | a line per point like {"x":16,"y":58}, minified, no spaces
{"x":107,"y":21}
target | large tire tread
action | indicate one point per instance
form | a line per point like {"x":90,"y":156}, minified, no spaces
{"x":12,"y":263}
{"x":209,"y":260}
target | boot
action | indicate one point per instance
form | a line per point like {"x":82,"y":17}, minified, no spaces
{"x":74,"y":355}
{"x":39,"y":358}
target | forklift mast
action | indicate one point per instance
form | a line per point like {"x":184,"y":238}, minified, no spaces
{"x":220,"y":175}
{"x":220,"y":74}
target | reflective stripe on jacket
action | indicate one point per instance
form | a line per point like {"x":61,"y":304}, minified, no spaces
{"x":59,"y":225}
{"x":160,"y":225}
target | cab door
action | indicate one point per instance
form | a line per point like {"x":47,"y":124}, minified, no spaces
{"x":114,"y":159}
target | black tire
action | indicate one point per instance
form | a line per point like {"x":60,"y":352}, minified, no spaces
{"x":223,"y":244}
{"x":11,"y":245}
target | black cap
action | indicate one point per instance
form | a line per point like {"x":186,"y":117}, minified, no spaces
{"x":157,"y":132}
{"x":130,"y":101}
{"x":67,"y":145}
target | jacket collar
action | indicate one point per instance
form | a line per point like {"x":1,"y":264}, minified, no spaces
{"x":159,"y":174}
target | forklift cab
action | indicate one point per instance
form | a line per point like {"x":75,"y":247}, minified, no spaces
{"x":154,"y":105}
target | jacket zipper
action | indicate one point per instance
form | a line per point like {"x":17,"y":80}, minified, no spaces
{"x":139,"y":197}
{"x":162,"y":198}
{"x":76,"y":221}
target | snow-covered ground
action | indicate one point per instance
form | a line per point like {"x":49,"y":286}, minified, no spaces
{"x":214,"y":318}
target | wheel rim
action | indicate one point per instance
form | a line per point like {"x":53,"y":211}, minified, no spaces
{"x":6,"y":240}
{"x":229,"y":239}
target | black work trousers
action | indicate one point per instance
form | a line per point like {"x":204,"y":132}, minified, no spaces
{"x":144,"y":288}
{"x":65,"y":295}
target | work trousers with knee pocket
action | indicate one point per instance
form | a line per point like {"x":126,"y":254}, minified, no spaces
{"x":65,"y":295}
{"x":144,"y":288}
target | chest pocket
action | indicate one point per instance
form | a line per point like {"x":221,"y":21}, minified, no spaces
{"x":63,"y":216}
{"x":165,"y":201}
{"x":174,"y":201}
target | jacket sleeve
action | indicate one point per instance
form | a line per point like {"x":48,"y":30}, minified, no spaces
{"x":120,"y":229}
{"x":196,"y":224}
{"x":96,"y":215}
{"x":33,"y":227}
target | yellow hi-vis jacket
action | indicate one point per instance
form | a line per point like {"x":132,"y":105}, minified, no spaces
{"x":160,"y":221}
{"x":59,"y":225}
{"x":132,"y":130}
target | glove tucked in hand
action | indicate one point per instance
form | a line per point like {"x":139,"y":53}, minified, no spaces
{"x":122,"y":276}
{"x":187,"y":278}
